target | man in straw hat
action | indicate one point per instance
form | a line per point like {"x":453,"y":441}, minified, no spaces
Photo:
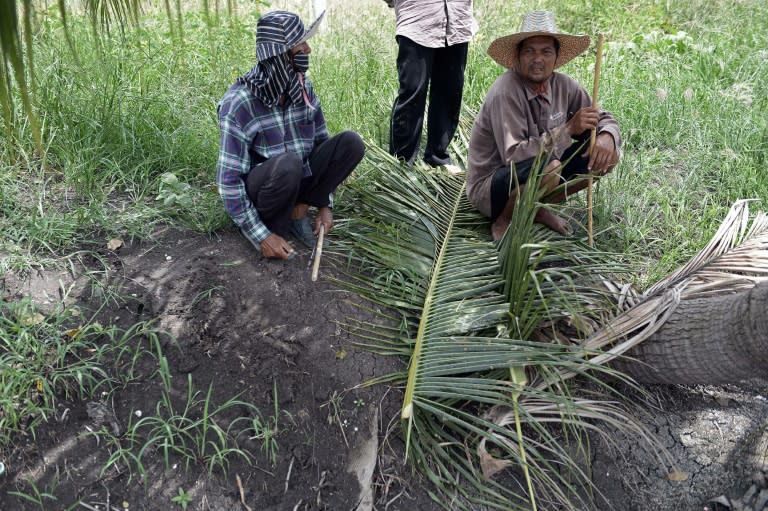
{"x":531,"y":107}
{"x":276,"y":158}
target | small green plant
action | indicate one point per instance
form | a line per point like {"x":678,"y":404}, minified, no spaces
{"x":197,"y":432}
{"x":267,"y":431}
{"x":182,"y":499}
{"x":35,"y":495}
{"x":173,"y":192}
{"x":46,"y":358}
{"x":335,"y":411}
{"x":197,"y":207}
{"x":205,"y":295}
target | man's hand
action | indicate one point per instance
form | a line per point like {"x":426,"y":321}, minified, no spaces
{"x":604,"y":155}
{"x":583,"y":120}
{"x":324,"y":216}
{"x":275,"y":247}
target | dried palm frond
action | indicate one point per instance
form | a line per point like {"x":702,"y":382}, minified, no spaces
{"x":734,"y":260}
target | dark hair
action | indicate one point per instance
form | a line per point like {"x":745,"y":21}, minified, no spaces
{"x":557,"y":45}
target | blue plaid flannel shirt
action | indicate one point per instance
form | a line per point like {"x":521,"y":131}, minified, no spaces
{"x":250,"y":131}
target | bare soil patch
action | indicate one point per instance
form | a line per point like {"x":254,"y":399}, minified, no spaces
{"x":256,"y":328}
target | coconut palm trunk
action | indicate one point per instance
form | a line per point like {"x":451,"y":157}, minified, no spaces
{"x":717,"y":339}
{"x":705,"y":323}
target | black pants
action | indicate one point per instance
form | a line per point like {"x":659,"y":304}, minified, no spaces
{"x":276,"y":185}
{"x":502,"y":184}
{"x":441,"y":70}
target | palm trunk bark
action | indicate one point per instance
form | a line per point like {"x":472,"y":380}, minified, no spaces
{"x":723,"y":339}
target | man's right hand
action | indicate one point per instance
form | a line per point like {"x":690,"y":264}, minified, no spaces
{"x":583,"y":120}
{"x":275,"y":247}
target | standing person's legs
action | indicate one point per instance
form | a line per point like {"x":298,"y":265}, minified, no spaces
{"x":273,"y":187}
{"x":446,"y":89}
{"x":414,"y":67}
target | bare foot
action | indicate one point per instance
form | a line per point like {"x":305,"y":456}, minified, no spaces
{"x":453,"y":169}
{"x":499,"y":227}
{"x":554,"y":222}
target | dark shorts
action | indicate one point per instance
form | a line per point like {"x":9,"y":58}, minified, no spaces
{"x":502,"y":182}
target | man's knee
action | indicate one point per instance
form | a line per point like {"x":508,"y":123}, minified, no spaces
{"x":352,"y":144}
{"x":290,"y":166}
{"x":549,"y":182}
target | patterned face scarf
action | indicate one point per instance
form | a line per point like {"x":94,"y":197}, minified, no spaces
{"x":301,"y":63}
{"x":275,"y":74}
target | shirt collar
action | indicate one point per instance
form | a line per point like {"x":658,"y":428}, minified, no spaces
{"x":546,"y":89}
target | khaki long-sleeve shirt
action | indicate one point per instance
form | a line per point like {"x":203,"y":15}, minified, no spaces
{"x":514,"y":122}
{"x":435,"y":23}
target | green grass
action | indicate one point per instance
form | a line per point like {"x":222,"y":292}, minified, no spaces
{"x":191,"y":431}
{"x":46,"y":359}
{"x":136,"y":108}
{"x":41,"y":499}
{"x":49,"y":359}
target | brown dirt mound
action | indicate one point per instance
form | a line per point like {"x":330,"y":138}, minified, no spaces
{"x":255,"y":328}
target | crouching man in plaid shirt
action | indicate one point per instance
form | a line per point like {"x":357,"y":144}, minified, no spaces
{"x":276,"y":158}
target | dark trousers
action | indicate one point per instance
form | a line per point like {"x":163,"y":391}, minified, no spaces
{"x":502,"y":183}
{"x":276,"y":185}
{"x":441,"y":71}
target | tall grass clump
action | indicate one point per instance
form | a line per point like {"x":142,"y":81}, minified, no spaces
{"x":118,"y":114}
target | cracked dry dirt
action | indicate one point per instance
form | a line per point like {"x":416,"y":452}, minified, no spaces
{"x":254,"y":327}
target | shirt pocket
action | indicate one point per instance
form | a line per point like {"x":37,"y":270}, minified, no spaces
{"x":305,"y":138}
{"x":269,"y":143}
{"x":556,"y":119}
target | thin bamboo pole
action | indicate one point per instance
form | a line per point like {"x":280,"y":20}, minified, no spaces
{"x":318,"y":252}
{"x":593,"y":135}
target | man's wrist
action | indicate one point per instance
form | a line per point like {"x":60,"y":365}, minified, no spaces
{"x":610,"y":135}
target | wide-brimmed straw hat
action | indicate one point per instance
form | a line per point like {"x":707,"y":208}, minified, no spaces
{"x":279,"y":31}
{"x":504,"y":49}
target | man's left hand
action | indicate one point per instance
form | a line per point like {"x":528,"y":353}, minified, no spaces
{"x":604,"y":155}
{"x":325,"y":217}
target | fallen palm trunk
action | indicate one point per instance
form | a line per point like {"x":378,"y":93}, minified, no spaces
{"x":705,"y":322}
{"x":718,"y":339}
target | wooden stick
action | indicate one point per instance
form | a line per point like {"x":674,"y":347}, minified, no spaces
{"x":318,"y":252}
{"x":242,"y":492}
{"x":593,"y":135}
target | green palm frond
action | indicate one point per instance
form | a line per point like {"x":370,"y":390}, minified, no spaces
{"x":13,"y":65}
{"x":478,"y":322}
